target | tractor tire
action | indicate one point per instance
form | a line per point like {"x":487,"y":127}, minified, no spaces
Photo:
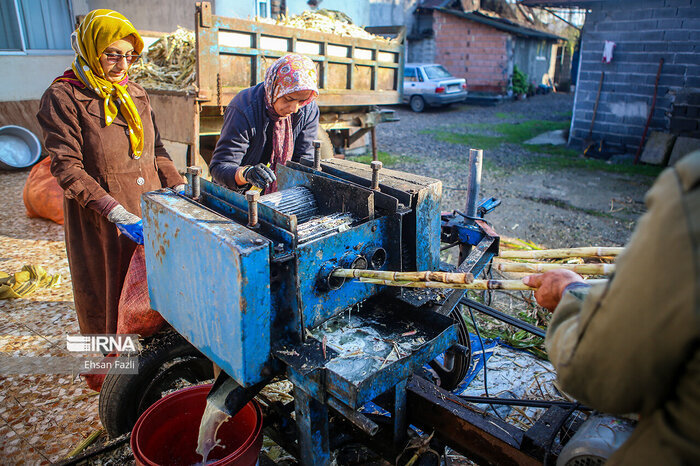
{"x":167,"y":362}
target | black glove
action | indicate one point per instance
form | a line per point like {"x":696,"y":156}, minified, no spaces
{"x":260,"y":175}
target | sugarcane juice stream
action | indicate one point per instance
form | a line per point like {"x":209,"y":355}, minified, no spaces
{"x":212,"y":419}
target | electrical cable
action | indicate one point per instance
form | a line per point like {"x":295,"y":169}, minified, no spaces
{"x":483,"y":356}
{"x":488,"y":298}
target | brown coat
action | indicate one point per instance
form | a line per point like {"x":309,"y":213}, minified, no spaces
{"x":90,"y":161}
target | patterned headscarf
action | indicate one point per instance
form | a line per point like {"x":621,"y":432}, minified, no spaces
{"x":287,"y":74}
{"x":99,"y":29}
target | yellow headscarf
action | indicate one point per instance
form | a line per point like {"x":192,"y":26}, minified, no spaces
{"x":99,"y":29}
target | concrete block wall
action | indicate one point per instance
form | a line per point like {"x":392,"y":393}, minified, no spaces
{"x":473,"y":51}
{"x":644,"y":32}
{"x":421,"y":51}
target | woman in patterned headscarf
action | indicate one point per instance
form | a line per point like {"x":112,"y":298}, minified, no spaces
{"x":105,"y":152}
{"x":268,"y":124}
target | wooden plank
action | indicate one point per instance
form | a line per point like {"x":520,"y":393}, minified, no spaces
{"x":175,"y":116}
{"x":21,"y":113}
{"x":234,"y":25}
{"x":335,"y":97}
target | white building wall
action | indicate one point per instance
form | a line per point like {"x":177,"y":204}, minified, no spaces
{"x":357,"y":10}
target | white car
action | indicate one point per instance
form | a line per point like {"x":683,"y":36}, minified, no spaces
{"x":431,"y":84}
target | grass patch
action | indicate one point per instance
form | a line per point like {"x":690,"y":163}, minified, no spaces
{"x":467,"y":139}
{"x":557,"y":157}
{"x":519,"y":133}
{"x":386,"y":158}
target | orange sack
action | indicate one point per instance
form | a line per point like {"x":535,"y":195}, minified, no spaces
{"x":135,"y":314}
{"x":42,"y":195}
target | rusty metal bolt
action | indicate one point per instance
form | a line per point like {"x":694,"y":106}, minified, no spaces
{"x":317,"y":155}
{"x":195,"y":172}
{"x":252,"y":197}
{"x":376,"y":166}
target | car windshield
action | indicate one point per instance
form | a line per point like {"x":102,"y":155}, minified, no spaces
{"x":436,"y":72}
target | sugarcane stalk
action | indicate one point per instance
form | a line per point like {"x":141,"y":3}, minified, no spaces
{"x":85,"y":443}
{"x":583,"y":269}
{"x":475,"y":285}
{"x":592,"y":251}
{"x":443,"y":277}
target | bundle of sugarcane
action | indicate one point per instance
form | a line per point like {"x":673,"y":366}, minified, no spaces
{"x":592,"y":251}
{"x":429,"y":279}
{"x":474,"y":285}
{"x":328,"y":21}
{"x":540,"y":267}
{"x":169,"y":63}
{"x":429,"y":276}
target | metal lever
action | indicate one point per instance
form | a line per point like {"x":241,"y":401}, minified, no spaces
{"x":252,"y":197}
{"x":195,"y":172}
{"x":317,"y":155}
{"x":376,"y":166}
{"x":487,"y":205}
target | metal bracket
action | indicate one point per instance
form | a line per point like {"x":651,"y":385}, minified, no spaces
{"x":204,"y":11}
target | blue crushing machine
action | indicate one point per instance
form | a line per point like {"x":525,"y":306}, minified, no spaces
{"x":247,"y":279}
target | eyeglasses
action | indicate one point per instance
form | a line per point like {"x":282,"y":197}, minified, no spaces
{"x":117,"y":57}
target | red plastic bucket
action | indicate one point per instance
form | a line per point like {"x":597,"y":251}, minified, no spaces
{"x":166,"y":433}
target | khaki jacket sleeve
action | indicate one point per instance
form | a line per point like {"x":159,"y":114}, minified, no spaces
{"x":58,"y":117}
{"x":619,"y":347}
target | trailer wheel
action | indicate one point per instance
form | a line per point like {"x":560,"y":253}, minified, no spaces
{"x":168,"y":362}
{"x":417,"y":103}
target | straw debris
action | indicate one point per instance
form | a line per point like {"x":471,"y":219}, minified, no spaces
{"x":327,"y":21}
{"x":170,"y":63}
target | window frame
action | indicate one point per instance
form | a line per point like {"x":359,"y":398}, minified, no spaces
{"x":268,"y":13}
{"x":23,"y":40}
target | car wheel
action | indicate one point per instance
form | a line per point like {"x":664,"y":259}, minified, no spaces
{"x":417,"y":103}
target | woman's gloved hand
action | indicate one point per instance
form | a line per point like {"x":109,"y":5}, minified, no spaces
{"x":129,"y":224}
{"x":259,"y":175}
{"x":180,"y":189}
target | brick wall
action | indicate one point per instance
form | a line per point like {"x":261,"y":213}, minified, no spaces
{"x":644,"y":31}
{"x":473,"y":51}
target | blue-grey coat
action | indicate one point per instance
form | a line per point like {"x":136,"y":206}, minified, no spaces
{"x":245,"y":131}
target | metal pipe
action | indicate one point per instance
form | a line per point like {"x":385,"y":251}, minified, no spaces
{"x":373,"y":132}
{"x":317,"y":155}
{"x":252,"y":196}
{"x":523,"y":402}
{"x":508,"y":319}
{"x":195,"y":173}
{"x":474,"y":180}
{"x":376,"y":166}
{"x":358,"y":419}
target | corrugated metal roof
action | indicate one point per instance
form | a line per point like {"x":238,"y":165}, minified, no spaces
{"x":501,"y":24}
{"x":434,"y":3}
{"x":559,"y":3}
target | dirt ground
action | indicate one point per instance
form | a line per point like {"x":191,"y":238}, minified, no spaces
{"x":553,"y":204}
{"x":44,"y":416}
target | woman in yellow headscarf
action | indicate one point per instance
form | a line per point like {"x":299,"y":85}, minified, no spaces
{"x":100,"y":132}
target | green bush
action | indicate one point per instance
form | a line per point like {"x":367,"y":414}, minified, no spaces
{"x":519,"y":81}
